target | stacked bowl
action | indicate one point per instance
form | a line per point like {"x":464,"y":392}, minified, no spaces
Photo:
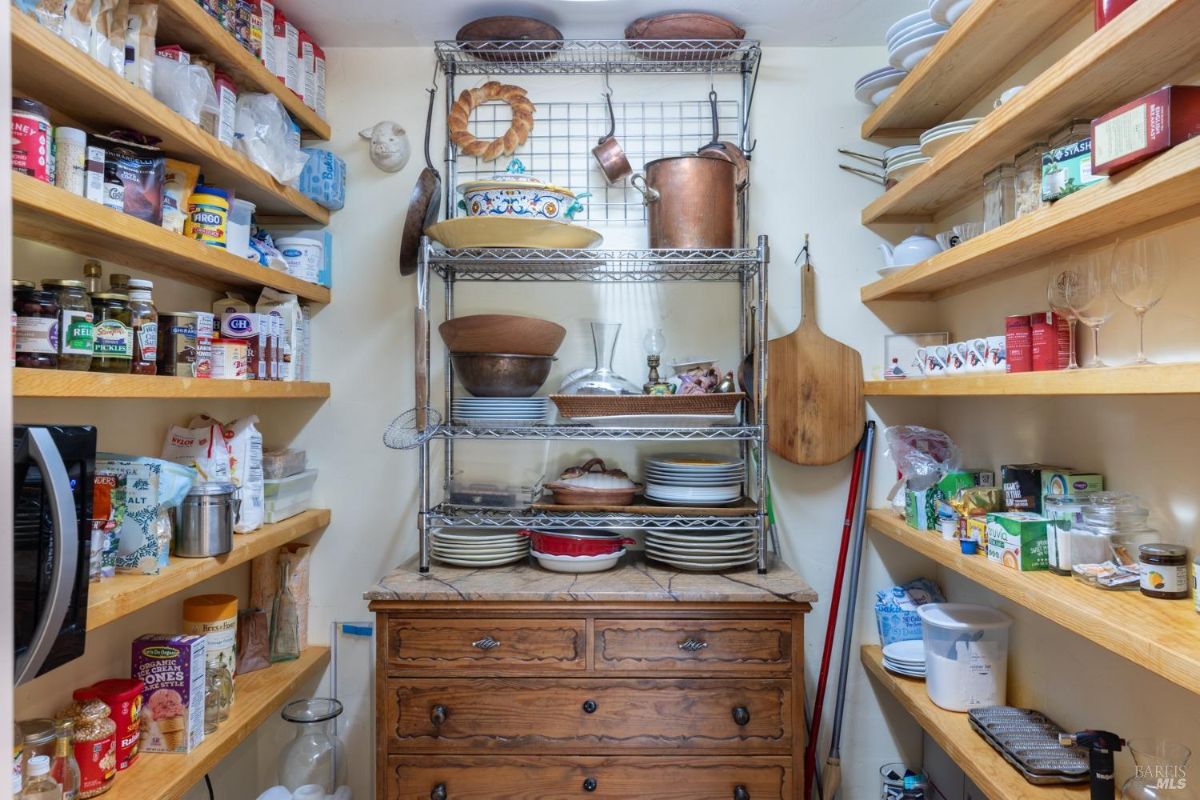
{"x":693,"y":479}
{"x":467,"y":548}
{"x":703,"y":551}
{"x":912,"y":38}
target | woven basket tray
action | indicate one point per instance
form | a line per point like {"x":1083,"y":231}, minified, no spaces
{"x":591,"y":405}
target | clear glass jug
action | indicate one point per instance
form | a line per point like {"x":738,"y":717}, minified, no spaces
{"x":315,"y":755}
{"x":602,"y":379}
{"x":1159,"y":771}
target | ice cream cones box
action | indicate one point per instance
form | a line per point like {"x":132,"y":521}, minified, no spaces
{"x":1017,"y":540}
{"x":172,"y":668}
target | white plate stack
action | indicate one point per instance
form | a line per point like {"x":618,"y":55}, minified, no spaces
{"x":904,"y":162}
{"x":479,"y":548}
{"x":911,"y":39}
{"x":934,"y":140}
{"x":878,"y":85}
{"x":485,"y":411}
{"x":905,"y":658}
{"x":701,"y":551}
{"x":693,"y":479}
{"x":947,"y":12}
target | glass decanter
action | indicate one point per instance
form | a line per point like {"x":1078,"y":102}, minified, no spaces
{"x":316,"y":755}
{"x":1159,"y":771}
{"x":602,"y":379}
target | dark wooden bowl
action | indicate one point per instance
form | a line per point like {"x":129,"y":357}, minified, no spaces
{"x":490,"y":38}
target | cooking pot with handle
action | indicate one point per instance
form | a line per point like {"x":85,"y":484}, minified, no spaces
{"x":691,"y":202}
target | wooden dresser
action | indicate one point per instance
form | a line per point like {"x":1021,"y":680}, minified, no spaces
{"x":641,"y":682}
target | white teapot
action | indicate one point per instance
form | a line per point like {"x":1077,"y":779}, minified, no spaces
{"x":913,"y":250}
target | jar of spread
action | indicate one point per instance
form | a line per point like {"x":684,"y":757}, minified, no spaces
{"x":145,"y":327}
{"x":208,"y":216}
{"x":76,"y":337}
{"x":36,"y":334}
{"x":1164,"y":571}
{"x":31,"y":138}
{"x":113,"y":323}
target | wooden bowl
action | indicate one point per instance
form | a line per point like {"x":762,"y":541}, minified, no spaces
{"x":507,"y":32}
{"x":683,"y":25}
{"x":567,"y":495}
{"x":502,"y":333}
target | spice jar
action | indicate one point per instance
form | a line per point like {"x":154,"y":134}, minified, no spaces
{"x":93,"y":272}
{"x":145,"y":327}
{"x":36,"y":335}
{"x":31,"y":138}
{"x":76,"y":336}
{"x":70,"y":160}
{"x":1164,"y":571}
{"x":113,"y":323}
{"x":95,"y":746}
{"x":999,"y":197}
{"x":1028,"y":177}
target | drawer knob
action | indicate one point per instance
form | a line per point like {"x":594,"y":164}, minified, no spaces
{"x":740,"y":793}
{"x":438,"y":793}
{"x":741,"y":715}
{"x":590,"y":706}
{"x":486,"y":643}
{"x":691,"y":645}
{"x":589,"y":784}
{"x":438,"y":715}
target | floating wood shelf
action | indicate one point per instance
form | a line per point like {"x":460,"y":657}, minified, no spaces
{"x":1160,"y":636}
{"x":185,"y":23}
{"x":987,"y":43}
{"x":48,"y":214}
{"x":1152,"y":379}
{"x":994,"y":776}
{"x":1153,"y":42}
{"x":1156,"y":190}
{"x":101,"y":386}
{"x":168,"y":776}
{"x":71,"y":83}
{"x":116,"y":597}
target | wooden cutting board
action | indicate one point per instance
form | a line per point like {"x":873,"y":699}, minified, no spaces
{"x":815,"y":411}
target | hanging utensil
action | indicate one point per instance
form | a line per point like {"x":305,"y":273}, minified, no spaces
{"x":424,"y":202}
{"x":727,"y":151}
{"x":866,"y":173}
{"x":880,"y":160}
{"x":608,"y":152}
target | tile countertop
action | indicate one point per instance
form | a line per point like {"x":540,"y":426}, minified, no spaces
{"x":633,"y":580}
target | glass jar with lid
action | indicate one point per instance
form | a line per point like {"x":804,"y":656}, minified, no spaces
{"x":1120,"y":522}
{"x":76,"y":337}
{"x":1028,"y":176}
{"x":316,"y":755}
{"x":118,"y":282}
{"x":999,"y":196}
{"x":113,"y":326}
{"x":1064,"y":517}
{"x":145,"y":327}
{"x":1074,"y":131}
{"x":36,"y":336}
{"x":1164,"y":570}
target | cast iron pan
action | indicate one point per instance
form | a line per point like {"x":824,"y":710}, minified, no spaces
{"x":422,"y":205}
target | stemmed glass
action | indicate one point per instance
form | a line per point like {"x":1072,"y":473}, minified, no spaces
{"x":1056,"y":297}
{"x":1089,"y":295}
{"x":1141,"y":271}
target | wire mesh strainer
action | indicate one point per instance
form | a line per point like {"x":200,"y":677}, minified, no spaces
{"x":407,"y":431}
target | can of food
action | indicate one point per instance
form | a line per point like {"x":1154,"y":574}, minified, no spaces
{"x":229,"y":359}
{"x":208,"y":215}
{"x":177,"y":346}
{"x":123,"y":696}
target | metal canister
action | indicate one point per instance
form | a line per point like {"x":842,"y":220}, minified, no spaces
{"x":206,"y":519}
{"x":177,"y":344}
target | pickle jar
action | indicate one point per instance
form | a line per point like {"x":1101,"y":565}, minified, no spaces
{"x":145,"y":327}
{"x":36,"y":335}
{"x":76,"y":338}
{"x":118,"y":282}
{"x":113,"y":323}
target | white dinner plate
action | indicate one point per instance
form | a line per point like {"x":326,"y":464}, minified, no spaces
{"x":693,"y":566}
{"x":704,"y":556}
{"x":909,"y":54}
{"x":915,"y":32}
{"x":482,"y":537}
{"x":875,"y":75}
{"x":876,"y":91}
{"x":906,"y":22}
{"x":658,"y":420}
{"x":466,"y":562}
{"x":947,"y":12}
{"x":909,"y":651}
{"x":684,"y":538}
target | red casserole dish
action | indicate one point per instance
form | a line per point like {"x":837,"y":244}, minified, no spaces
{"x":591,"y":543}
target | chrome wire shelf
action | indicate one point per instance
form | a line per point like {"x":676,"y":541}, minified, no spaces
{"x":447,"y":516}
{"x":587,"y":433}
{"x":596,"y":266}
{"x":598,"y":56}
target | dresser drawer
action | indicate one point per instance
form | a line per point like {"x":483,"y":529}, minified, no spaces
{"x":588,"y":715}
{"x":561,"y":778}
{"x":657,"y":646}
{"x":486,"y":646}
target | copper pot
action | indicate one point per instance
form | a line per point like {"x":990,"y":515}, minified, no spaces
{"x":608,"y":152}
{"x":691,"y":202}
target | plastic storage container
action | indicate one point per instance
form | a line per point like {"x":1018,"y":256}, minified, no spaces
{"x":279,"y":464}
{"x":966,"y":654}
{"x":288,"y":497}
{"x":237,"y":233}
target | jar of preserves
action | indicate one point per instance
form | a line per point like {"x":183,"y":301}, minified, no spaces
{"x":118,"y":282}
{"x":145,"y":327}
{"x":76,"y":337}
{"x":36,"y":336}
{"x":95,"y":745}
{"x":113,"y":323}
{"x":1164,"y":571}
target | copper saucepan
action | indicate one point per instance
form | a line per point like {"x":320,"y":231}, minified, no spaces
{"x":608,"y":152}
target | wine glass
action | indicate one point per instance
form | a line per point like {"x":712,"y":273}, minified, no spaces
{"x":1090,"y":296}
{"x":1141,"y":271}
{"x":1056,"y":297}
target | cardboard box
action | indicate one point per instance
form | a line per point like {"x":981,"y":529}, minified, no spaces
{"x":172,"y":668}
{"x":1069,"y":482}
{"x":1147,"y":126}
{"x":1022,"y":484}
{"x":1067,"y":169}
{"x":977,"y":530}
{"x":1017,"y":540}
{"x":920,"y":508}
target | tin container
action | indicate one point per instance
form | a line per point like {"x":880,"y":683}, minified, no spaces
{"x":206,"y":520}
{"x":31,"y":138}
{"x":177,"y":344}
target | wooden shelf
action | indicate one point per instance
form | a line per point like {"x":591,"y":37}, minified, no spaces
{"x":185,"y":23}
{"x":1160,"y":636}
{"x":101,"y":386}
{"x":1152,"y":379}
{"x":49,"y":69}
{"x":1159,"y":189}
{"x":48,"y":214}
{"x":167,"y":776}
{"x":113,"y":598}
{"x":1150,"y":44}
{"x":994,"y":776}
{"x":987,"y":43}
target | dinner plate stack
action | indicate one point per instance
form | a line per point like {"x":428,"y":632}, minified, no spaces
{"x":934,"y":140}
{"x":693,"y":479}
{"x":703,"y":551}
{"x":911,"y":39}
{"x":479,"y":548}
{"x":877,"y":85}
{"x":905,"y":658}
{"x":947,"y":12}
{"x":901,"y":166}
{"x":499,"y":410}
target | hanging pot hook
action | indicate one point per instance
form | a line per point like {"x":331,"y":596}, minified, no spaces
{"x":715,"y":143}
{"x":612,"y":118}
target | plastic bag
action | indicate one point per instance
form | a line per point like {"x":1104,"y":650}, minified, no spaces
{"x":80,"y":19}
{"x":139,"y":43}
{"x":201,"y":447}
{"x":108,"y":34}
{"x":264,"y":581}
{"x":244,"y":444}
{"x":152,"y":487}
{"x":186,"y":88}
{"x":923,"y":455}
{"x":49,"y":13}
{"x":262,"y":132}
{"x":253,"y":641}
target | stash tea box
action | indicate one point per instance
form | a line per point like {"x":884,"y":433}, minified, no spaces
{"x":1017,"y":540}
{"x":1147,"y":126}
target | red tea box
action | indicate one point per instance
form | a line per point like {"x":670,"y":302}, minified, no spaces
{"x":1147,"y":126}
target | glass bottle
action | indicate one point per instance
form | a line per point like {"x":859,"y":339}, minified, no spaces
{"x":285,"y":620}
{"x":1160,"y":770}
{"x":18,"y":761}
{"x":93,"y":276}
{"x":65,"y":769}
{"x":218,"y":695}
{"x":315,"y":755}
{"x":76,"y":336}
{"x":112,"y":324}
{"x":603,"y":379}
{"x":145,"y":327}
{"x":39,"y":785}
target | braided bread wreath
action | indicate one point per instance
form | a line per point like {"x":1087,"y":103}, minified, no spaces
{"x":514,"y":137}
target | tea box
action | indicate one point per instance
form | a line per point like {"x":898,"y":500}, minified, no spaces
{"x":1017,"y":540}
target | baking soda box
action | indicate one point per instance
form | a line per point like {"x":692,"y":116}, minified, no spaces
{"x":172,"y":668}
